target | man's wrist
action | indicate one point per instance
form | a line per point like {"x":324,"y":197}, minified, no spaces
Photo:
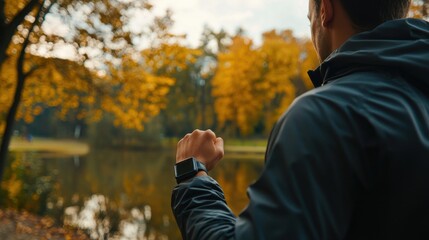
{"x":188,"y":169}
{"x":201,"y":174}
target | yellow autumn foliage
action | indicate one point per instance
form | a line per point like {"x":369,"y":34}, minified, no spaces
{"x":238,"y":87}
{"x":253,"y":85}
{"x":281,"y":55}
{"x":54,"y":83}
{"x":169,"y":58}
{"x":419,"y":9}
{"x":132,"y":91}
{"x":130,"y":94}
{"x":13,"y":7}
{"x":138,"y":95}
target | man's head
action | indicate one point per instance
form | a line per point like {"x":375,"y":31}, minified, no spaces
{"x":334,"y":21}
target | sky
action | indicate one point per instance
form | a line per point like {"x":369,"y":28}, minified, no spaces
{"x":254,"y":16}
{"x":190,"y":16}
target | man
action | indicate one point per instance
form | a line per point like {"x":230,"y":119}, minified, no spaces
{"x":348,"y":160}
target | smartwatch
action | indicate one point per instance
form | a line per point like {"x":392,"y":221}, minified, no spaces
{"x":187,"y":169}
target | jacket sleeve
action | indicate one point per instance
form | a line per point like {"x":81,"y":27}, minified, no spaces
{"x":306,"y":190}
{"x":201,"y":211}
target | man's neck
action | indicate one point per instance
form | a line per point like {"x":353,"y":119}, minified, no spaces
{"x":342,"y":28}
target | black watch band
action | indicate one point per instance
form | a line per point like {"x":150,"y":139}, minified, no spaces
{"x":187,"y":169}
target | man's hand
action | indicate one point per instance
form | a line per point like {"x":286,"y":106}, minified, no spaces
{"x":203,"y":145}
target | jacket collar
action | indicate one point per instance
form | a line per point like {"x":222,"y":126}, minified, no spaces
{"x":397,"y":45}
{"x":316,"y":77}
{"x":320,"y":75}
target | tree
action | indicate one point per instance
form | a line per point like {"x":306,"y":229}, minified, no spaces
{"x":137,"y":95}
{"x":212,"y":44}
{"x":420,"y":9}
{"x":11,"y":16}
{"x":238,"y":87}
{"x":253,"y":85}
{"x":98,"y":35}
{"x":167,"y":57}
{"x":281,"y":53}
{"x":21,"y":74}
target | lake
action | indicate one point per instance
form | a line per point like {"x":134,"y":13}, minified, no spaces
{"x":116,"y":193}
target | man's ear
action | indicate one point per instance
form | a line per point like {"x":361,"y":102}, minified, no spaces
{"x":326,"y":12}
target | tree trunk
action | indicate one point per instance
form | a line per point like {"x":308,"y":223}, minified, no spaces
{"x":4,"y":43}
{"x":10,"y":119}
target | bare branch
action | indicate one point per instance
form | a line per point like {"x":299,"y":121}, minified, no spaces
{"x":31,"y":71}
{"x":41,"y":14}
{"x":40,"y":18}
{"x":19,"y":18}
{"x":47,"y":10}
{"x":20,"y":62}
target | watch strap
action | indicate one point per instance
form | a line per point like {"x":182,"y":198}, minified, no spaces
{"x":197,"y":167}
{"x":200,"y":166}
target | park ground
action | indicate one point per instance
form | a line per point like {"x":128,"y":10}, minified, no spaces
{"x":21,"y":225}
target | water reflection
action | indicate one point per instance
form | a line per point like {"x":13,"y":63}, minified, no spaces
{"x":93,"y":218}
{"x":116,"y":194}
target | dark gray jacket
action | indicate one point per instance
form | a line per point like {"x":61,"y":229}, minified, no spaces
{"x":348,"y":160}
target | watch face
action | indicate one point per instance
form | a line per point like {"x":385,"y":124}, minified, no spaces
{"x":185,"y":168}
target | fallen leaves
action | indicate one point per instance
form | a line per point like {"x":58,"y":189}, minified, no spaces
{"x":16,"y":225}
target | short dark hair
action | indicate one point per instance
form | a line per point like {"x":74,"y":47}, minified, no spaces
{"x":367,"y":14}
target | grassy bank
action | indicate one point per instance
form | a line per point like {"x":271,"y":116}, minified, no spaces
{"x":245,"y":147}
{"x":253,"y":142}
{"x":66,"y":147}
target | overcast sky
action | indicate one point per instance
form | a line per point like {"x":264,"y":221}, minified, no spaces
{"x":190,"y":16}
{"x":254,"y":16}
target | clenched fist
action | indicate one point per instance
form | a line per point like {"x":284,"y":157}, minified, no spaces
{"x":203,"y":145}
